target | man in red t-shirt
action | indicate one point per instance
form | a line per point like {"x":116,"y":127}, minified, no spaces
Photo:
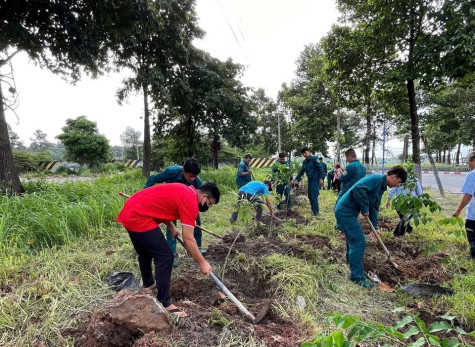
{"x":142,"y":214}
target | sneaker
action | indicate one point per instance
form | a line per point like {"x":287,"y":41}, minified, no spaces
{"x":175,"y":261}
{"x":203,"y":252}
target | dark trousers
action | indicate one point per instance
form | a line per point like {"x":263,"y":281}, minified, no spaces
{"x":255,"y":200}
{"x":151,"y":245}
{"x":401,"y":229}
{"x":283,"y":189}
{"x":336,"y":185}
{"x":470,"y":226}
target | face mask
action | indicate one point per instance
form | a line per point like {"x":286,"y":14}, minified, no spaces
{"x":203,"y":208}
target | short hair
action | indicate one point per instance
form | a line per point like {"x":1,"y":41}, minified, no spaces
{"x":321,"y":158}
{"x":211,"y":189}
{"x":337,"y":165}
{"x":248,"y":155}
{"x":282,"y":155}
{"x":304,"y":149}
{"x":350,"y":153}
{"x":192,"y":166}
{"x":399,"y":171}
{"x":471,"y":156}
{"x":269,"y":185}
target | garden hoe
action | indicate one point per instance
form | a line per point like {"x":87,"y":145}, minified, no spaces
{"x":381,"y":243}
{"x":231,"y":296}
{"x":200,"y":227}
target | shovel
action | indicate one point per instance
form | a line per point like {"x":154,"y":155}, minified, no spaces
{"x":381,"y":243}
{"x":231,"y":296}
{"x":200,"y":227}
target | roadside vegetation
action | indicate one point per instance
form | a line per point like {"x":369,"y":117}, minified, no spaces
{"x":59,"y":243}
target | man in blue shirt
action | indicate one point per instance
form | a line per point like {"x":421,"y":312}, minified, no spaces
{"x":401,"y":229}
{"x":283,"y":181}
{"x":188,"y":175}
{"x":244,"y":173}
{"x":364,"y":197}
{"x":314,"y":172}
{"x":253,"y":192}
{"x":468,"y":198}
{"x":353,"y":173}
{"x":325,"y":171}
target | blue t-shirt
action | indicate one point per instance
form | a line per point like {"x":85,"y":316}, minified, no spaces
{"x":469,"y":188}
{"x":255,"y":188}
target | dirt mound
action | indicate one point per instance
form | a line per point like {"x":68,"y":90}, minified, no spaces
{"x":413,"y":265}
{"x":288,"y":215}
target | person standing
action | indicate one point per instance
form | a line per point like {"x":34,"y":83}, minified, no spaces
{"x":402,"y":227}
{"x":353,"y":173}
{"x":314,"y":172}
{"x":283,"y":181}
{"x":365,"y":198}
{"x":330,"y":179}
{"x":468,"y":199}
{"x":254,"y":192}
{"x":244,"y":173}
{"x":325,"y":171}
{"x":336,"y":178}
{"x":142,"y":215}
{"x":188,"y":174}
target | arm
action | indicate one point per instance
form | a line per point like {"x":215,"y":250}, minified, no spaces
{"x":241,"y":171}
{"x":301,"y":172}
{"x":175,"y":232}
{"x":346,"y":175}
{"x":418,"y":189}
{"x":192,"y":248}
{"x":464,"y":202}
{"x":159,"y":178}
{"x":360,"y":193}
{"x":390,"y":195}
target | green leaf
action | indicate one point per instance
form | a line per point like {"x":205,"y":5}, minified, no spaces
{"x":338,"y":339}
{"x":421,"y":325}
{"x":453,"y":342}
{"x":355,"y":331}
{"x":460,"y":331}
{"x":447,"y":317}
{"x":308,"y":344}
{"x":439,"y":326}
{"x":420,"y":342}
{"x":365,"y":333}
{"x":413,"y":330}
{"x":434,"y":340}
{"x":328,"y":342}
{"x":403,"y":322}
{"x":398,"y":309}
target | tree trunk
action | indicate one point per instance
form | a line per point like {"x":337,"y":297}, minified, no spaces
{"x":147,"y":145}
{"x":444,"y":160}
{"x":434,"y":169}
{"x":416,"y":146}
{"x":338,"y":129}
{"x":215,"y":151}
{"x":457,"y":156}
{"x":405,"y":150}
{"x":9,"y":180}
{"x":449,"y":160}
{"x":373,"y":151}
{"x":439,"y":156}
{"x":368,"y":132}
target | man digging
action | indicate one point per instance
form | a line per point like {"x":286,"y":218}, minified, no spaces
{"x":365,"y":198}
{"x":141,"y":216}
{"x":253,"y":192}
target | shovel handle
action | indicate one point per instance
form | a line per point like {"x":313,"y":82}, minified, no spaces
{"x":124,"y":195}
{"x":220,"y":284}
{"x":381,"y":242}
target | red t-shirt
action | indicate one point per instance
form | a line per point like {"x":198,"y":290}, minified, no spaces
{"x":146,"y":209}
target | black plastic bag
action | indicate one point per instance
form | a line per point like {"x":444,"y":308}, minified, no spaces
{"x":425,"y":290}
{"x":122,"y":280}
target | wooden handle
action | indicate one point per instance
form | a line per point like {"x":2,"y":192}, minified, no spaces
{"x":381,"y":242}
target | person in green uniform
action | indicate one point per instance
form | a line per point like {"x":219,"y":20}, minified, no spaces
{"x":314,"y":172}
{"x":353,"y":173}
{"x":283,"y":182}
{"x":330,"y":179}
{"x":325,"y":171}
{"x":365,"y":198}
{"x":188,"y":175}
{"x":244,"y":173}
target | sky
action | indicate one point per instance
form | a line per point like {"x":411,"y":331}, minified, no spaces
{"x":266,"y":36}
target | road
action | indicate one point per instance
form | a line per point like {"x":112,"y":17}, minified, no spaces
{"x":452,"y":183}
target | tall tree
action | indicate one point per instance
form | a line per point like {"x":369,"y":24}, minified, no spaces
{"x":63,"y":36}
{"x":39,"y":143}
{"x":131,"y":143}
{"x":155,"y":41}
{"x":15,"y":141}
{"x":419,"y":32}
{"x":83,"y":142}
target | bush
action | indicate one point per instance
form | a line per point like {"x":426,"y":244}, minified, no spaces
{"x":26,"y":161}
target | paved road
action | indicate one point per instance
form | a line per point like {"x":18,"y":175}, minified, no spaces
{"x":452,"y":183}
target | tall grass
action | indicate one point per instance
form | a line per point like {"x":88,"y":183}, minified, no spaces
{"x":55,"y":214}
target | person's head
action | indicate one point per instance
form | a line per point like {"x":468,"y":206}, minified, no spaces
{"x":208,"y":194}
{"x":471,"y":160}
{"x":350,"y":155}
{"x":282,"y":157}
{"x":337,"y":165}
{"x":248,"y":158}
{"x":396,"y":176}
{"x":305,"y":152}
{"x":320,"y":159}
{"x":191,"y":169}
{"x":269,"y":185}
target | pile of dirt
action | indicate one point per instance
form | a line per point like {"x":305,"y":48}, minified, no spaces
{"x":414,"y":266}
{"x":288,"y":215}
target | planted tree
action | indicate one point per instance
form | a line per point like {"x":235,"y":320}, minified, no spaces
{"x":131,"y":143}
{"x":83,"y":142}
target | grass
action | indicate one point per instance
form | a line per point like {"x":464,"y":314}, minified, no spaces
{"x":59,"y":243}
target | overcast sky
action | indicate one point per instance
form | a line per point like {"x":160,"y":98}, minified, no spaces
{"x":267,"y":37}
